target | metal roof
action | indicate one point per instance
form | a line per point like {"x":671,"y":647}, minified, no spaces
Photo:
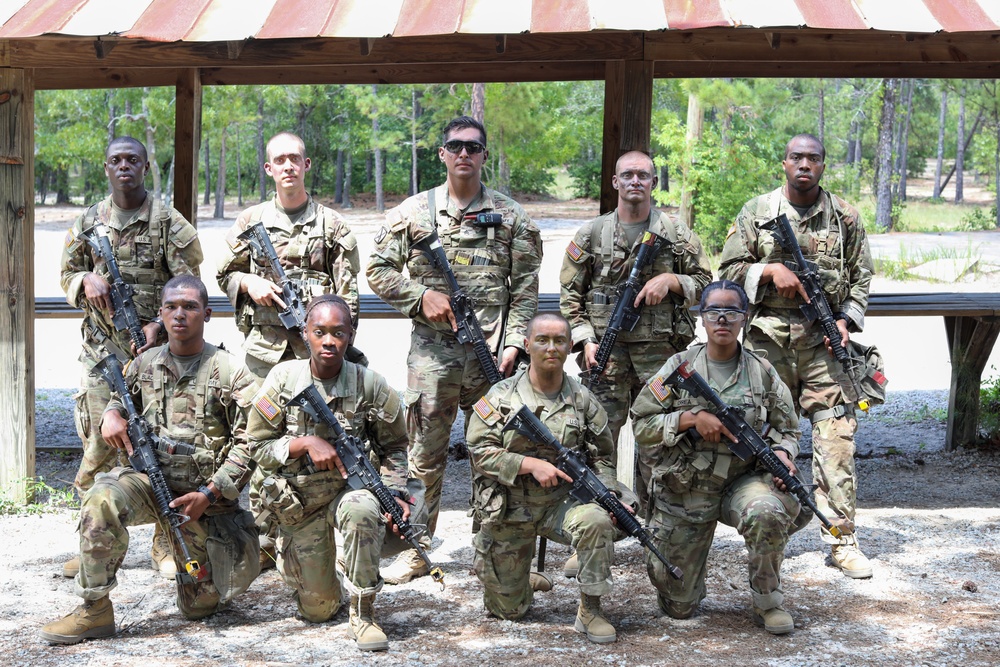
{"x":234,"y":20}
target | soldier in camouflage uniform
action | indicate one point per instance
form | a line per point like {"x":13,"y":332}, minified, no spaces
{"x":830,"y":233}
{"x":519,"y":494}
{"x":600,"y":257}
{"x":315,"y":248}
{"x":151,"y":243}
{"x":697,"y":481}
{"x":196,"y":395}
{"x":305,"y":484}
{"x":497,"y":264}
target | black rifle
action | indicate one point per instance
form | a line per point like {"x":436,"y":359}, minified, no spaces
{"x":293,"y":315}
{"x":143,"y":459}
{"x":625,"y":315}
{"x":469,"y":330}
{"x":125,"y":315}
{"x":749,"y":442}
{"x":361,"y":474}
{"x":587,"y":487}
{"x":818,"y":309}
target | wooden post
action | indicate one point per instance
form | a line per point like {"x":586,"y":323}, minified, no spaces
{"x":970,"y":341}
{"x":17,"y":309}
{"x":187,"y":140}
{"x":628,"y":109}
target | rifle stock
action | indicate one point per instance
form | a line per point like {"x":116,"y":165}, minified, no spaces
{"x":125,"y":315}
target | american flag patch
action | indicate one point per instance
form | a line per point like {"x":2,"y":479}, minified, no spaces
{"x":659,"y":389}
{"x":70,"y":237}
{"x":574,"y":251}
{"x":483,"y":408}
{"x":266,"y":407}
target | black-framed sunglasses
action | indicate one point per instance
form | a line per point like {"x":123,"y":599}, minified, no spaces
{"x":717,"y":315}
{"x":455,"y":147}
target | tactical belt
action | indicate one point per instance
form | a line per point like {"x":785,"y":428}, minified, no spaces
{"x":831,"y":413}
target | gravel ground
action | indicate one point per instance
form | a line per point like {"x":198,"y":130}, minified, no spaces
{"x":928,"y":519}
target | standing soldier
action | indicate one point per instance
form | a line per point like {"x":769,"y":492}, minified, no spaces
{"x":315,"y":248}
{"x":496,"y":260}
{"x":196,"y":395}
{"x":151,"y":244}
{"x":830,"y":233}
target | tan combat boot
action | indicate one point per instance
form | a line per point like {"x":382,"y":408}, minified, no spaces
{"x":362,"y":626}
{"x":71,"y":567}
{"x":572,"y":567}
{"x":850,"y":560}
{"x":590,"y":621}
{"x":777,"y":621}
{"x":540,"y":582}
{"x":161,"y":555}
{"x":93,"y":619}
{"x":407,"y":567}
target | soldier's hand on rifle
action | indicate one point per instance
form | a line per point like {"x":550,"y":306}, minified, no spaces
{"x":508,"y":361}
{"x":151,"y":330}
{"x":787,"y":460}
{"x":323,"y":454}
{"x":406,"y":514}
{"x":785,"y":281}
{"x":191,"y":504}
{"x":114,"y":430}
{"x":546,"y":474}
{"x":845,"y":337}
{"x":436,"y":307}
{"x":627,"y":507}
{"x":656,"y":289}
{"x":710,"y":428}
{"x":98,"y":292}
{"x":262,"y":291}
{"x":590,"y":355}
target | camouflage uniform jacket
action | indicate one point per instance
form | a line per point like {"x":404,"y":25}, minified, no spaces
{"x":367,"y":407}
{"x":831,"y":234}
{"x":318,"y":251}
{"x":498,"y":267}
{"x":206,"y":408}
{"x":598,"y":259}
{"x":155,"y":245}
{"x":690,"y":474}
{"x":574,"y":417}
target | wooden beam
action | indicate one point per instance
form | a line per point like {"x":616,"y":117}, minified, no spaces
{"x":674,"y":69}
{"x":628,"y":108}
{"x":187,"y":141}
{"x":17,"y":286}
{"x":614,"y":94}
{"x":105,"y":77}
{"x":970,"y":341}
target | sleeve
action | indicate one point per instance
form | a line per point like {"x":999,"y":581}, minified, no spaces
{"x":385,"y":266}
{"x":783,"y":419}
{"x":693,"y":269}
{"x":343,"y":265}
{"x":525,"y":261}
{"x":76,"y":262}
{"x":654,"y":419}
{"x":741,"y":257}
{"x":387,"y":429}
{"x":235,"y":471}
{"x":266,"y":425}
{"x":234,"y":261}
{"x":184,"y":254}
{"x":575,"y":280}
{"x":485,"y":440}
{"x":860,"y":269}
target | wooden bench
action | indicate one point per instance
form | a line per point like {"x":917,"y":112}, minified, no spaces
{"x":972,"y":323}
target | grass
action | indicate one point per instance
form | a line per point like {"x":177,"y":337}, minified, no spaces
{"x":898,"y":268}
{"x":42,"y":498}
{"x":562,"y":185}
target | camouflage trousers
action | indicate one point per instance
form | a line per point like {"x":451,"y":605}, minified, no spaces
{"x":810,"y":375}
{"x":123,"y":498}
{"x":443,"y":375}
{"x":307,"y":553}
{"x":505,"y":549}
{"x":98,"y":456}
{"x":764,"y":516}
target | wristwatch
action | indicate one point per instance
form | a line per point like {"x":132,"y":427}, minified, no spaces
{"x":208,"y":494}
{"x":159,"y":322}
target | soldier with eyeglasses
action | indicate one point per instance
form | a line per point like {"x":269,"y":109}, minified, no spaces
{"x":495,"y":251}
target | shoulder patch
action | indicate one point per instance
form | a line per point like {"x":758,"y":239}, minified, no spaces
{"x":70,"y":236}
{"x":485,"y":410}
{"x":660,"y":390}
{"x":574,"y":251}
{"x":732,"y":230}
{"x":266,"y":407}
{"x":382,"y":233}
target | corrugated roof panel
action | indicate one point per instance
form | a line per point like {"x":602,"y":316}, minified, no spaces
{"x":429,"y":17}
{"x":960,"y":15}
{"x":230,"y":20}
{"x":104,"y":17}
{"x":773,"y":13}
{"x":168,"y":20}
{"x":510,"y":17}
{"x":898,"y":15}
{"x":297,"y":18}
{"x":831,"y":14}
{"x":992,"y":9}
{"x":355,"y":18}
{"x":568,"y":16}
{"x":8,"y":8}
{"x":40,"y":17}
{"x":692,"y":14}
{"x":632,"y":15}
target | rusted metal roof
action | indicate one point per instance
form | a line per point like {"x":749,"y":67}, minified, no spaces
{"x":233,"y":20}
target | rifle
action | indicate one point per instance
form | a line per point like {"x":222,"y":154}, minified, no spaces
{"x":143,"y":459}
{"x":587,"y":488}
{"x":293,"y":315}
{"x":749,"y":442}
{"x":625,"y":315}
{"x":818,"y":308}
{"x":361,"y":474}
{"x":124,"y":315}
{"x":469,"y":330}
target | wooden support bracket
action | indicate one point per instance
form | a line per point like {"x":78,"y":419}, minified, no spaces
{"x":366,"y":45}
{"x":501,"y":43}
{"x":970,"y":342}
{"x":104,"y":45}
{"x":234,"y":48}
{"x":774,"y":39}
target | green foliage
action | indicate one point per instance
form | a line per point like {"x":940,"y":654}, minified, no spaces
{"x":989,"y":411}
{"x":42,"y":498}
{"x":898,"y":269}
{"x":979,"y":220}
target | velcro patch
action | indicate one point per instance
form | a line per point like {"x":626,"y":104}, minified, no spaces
{"x":484,"y":409}
{"x":879,"y":378}
{"x":574,"y":251}
{"x":732,"y":230}
{"x":266,"y":407}
{"x":660,"y":390}
{"x":382,"y":233}
{"x":70,"y":236}
{"x":143,"y":238}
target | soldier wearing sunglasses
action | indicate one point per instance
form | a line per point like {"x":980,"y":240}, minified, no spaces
{"x":495,"y":251}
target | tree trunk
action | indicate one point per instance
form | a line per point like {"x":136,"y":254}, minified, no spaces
{"x":414,"y":115}
{"x":904,"y":142}
{"x":822,"y":114}
{"x":377,"y":154}
{"x":168,"y":193}
{"x":261,"y":149}
{"x":970,"y":135}
{"x":851,"y":133}
{"x":695,"y":121}
{"x":43,"y":186}
{"x":942,"y":117}
{"x":368,"y":169}
{"x":996,"y":173}
{"x":346,"y":201}
{"x":479,"y":101}
{"x":112,"y":118}
{"x":960,"y":152}
{"x":883,"y":177}
{"x":239,"y":171}
{"x":62,"y":186}
{"x":338,"y":181}
{"x":220,"y":182}
{"x":208,"y":176}
{"x":154,"y":166}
